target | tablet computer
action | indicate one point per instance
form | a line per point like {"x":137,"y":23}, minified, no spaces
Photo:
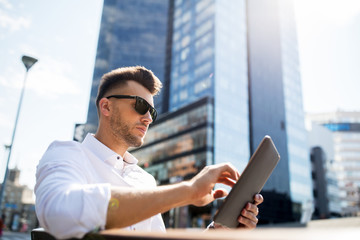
{"x":251,"y":181}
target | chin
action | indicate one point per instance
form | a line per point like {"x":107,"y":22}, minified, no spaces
{"x":138,"y":143}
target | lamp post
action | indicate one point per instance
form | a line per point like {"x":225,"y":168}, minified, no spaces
{"x":28,"y":62}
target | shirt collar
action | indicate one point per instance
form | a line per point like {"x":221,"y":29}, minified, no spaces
{"x":106,"y":154}
{"x":129,"y":158}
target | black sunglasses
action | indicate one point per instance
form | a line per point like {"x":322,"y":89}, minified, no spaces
{"x":141,"y":105}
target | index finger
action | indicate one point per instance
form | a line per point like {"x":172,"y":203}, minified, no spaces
{"x":228,"y":170}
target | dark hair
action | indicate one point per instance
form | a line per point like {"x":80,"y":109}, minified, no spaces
{"x":120,"y":76}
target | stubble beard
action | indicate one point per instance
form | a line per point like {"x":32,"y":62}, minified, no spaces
{"x":122,"y":132}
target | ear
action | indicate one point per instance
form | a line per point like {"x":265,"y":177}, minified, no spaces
{"x":104,"y":107}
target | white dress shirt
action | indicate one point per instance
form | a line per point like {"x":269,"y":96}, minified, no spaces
{"x":73,"y":187}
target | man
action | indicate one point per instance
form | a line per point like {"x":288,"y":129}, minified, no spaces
{"x":97,"y":184}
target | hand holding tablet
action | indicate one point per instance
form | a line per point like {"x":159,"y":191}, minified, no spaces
{"x":251,"y":181}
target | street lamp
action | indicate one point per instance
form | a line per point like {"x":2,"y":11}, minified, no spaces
{"x":28,"y":62}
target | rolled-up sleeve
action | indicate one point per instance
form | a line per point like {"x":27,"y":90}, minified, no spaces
{"x":66,"y":205}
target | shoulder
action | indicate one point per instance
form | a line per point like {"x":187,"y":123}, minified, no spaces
{"x":62,"y":151}
{"x":64,"y":147}
{"x":66,"y":159}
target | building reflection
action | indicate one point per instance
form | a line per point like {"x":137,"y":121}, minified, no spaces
{"x":177,"y":147}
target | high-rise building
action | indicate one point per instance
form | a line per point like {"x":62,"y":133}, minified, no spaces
{"x":328,"y":197}
{"x":132,"y":32}
{"x":346,"y":163}
{"x":276,"y":100}
{"x":242,"y":55}
{"x":209,"y":58}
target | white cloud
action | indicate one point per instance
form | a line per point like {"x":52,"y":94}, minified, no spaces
{"x":13,"y":23}
{"x":5,"y":121}
{"x":53,"y":78}
{"x":59,"y":39}
{"x":49,"y":78}
{"x":10,"y":20}
{"x":6,"y":4}
{"x":52,"y":84}
{"x":14,"y":82}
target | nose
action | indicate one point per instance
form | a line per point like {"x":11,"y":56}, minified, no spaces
{"x":147,"y":118}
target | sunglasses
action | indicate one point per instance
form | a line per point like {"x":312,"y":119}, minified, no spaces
{"x":141,"y":105}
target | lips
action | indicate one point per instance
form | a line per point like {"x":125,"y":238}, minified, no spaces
{"x":142,"y":129}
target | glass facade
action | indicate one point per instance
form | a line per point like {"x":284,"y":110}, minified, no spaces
{"x":231,"y":84}
{"x":194,"y":118}
{"x":299,"y":164}
{"x":209,"y":58}
{"x":176,"y":135}
{"x":192,"y":63}
{"x":276,"y":105}
{"x":174,"y":146}
{"x":133,"y":32}
{"x":267,"y":111}
{"x":178,"y":145}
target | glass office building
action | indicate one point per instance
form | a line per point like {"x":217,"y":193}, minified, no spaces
{"x":242,"y":55}
{"x":345,"y":127}
{"x":276,"y":105}
{"x":299,"y":165}
{"x":132,"y":32}
{"x":209,"y":58}
{"x":177,"y":146}
{"x":320,"y":140}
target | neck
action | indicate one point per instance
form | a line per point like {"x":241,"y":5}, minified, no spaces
{"x":111,"y":141}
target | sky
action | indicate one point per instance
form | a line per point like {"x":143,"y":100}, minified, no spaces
{"x":63,"y":35}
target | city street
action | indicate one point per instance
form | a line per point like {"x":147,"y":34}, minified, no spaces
{"x":15,"y":236}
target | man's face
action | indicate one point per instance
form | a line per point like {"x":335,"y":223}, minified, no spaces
{"x":126,"y":124}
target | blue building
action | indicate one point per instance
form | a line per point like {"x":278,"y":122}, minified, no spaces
{"x":209,"y":58}
{"x":276,"y":102}
{"x":132,"y":32}
{"x":242,"y":55}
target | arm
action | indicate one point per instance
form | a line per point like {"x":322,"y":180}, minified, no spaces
{"x":129,"y":206}
{"x":67,"y":205}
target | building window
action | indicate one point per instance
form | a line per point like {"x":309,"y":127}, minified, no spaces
{"x":184,"y":53}
{"x":203,"y":28}
{"x":203,"y":69}
{"x":205,"y":54}
{"x":202,"y":85}
{"x":183,"y":95}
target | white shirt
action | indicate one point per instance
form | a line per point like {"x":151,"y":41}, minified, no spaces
{"x":73,"y":187}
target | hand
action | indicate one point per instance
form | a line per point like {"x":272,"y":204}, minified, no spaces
{"x":203,"y":183}
{"x":248,"y":218}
